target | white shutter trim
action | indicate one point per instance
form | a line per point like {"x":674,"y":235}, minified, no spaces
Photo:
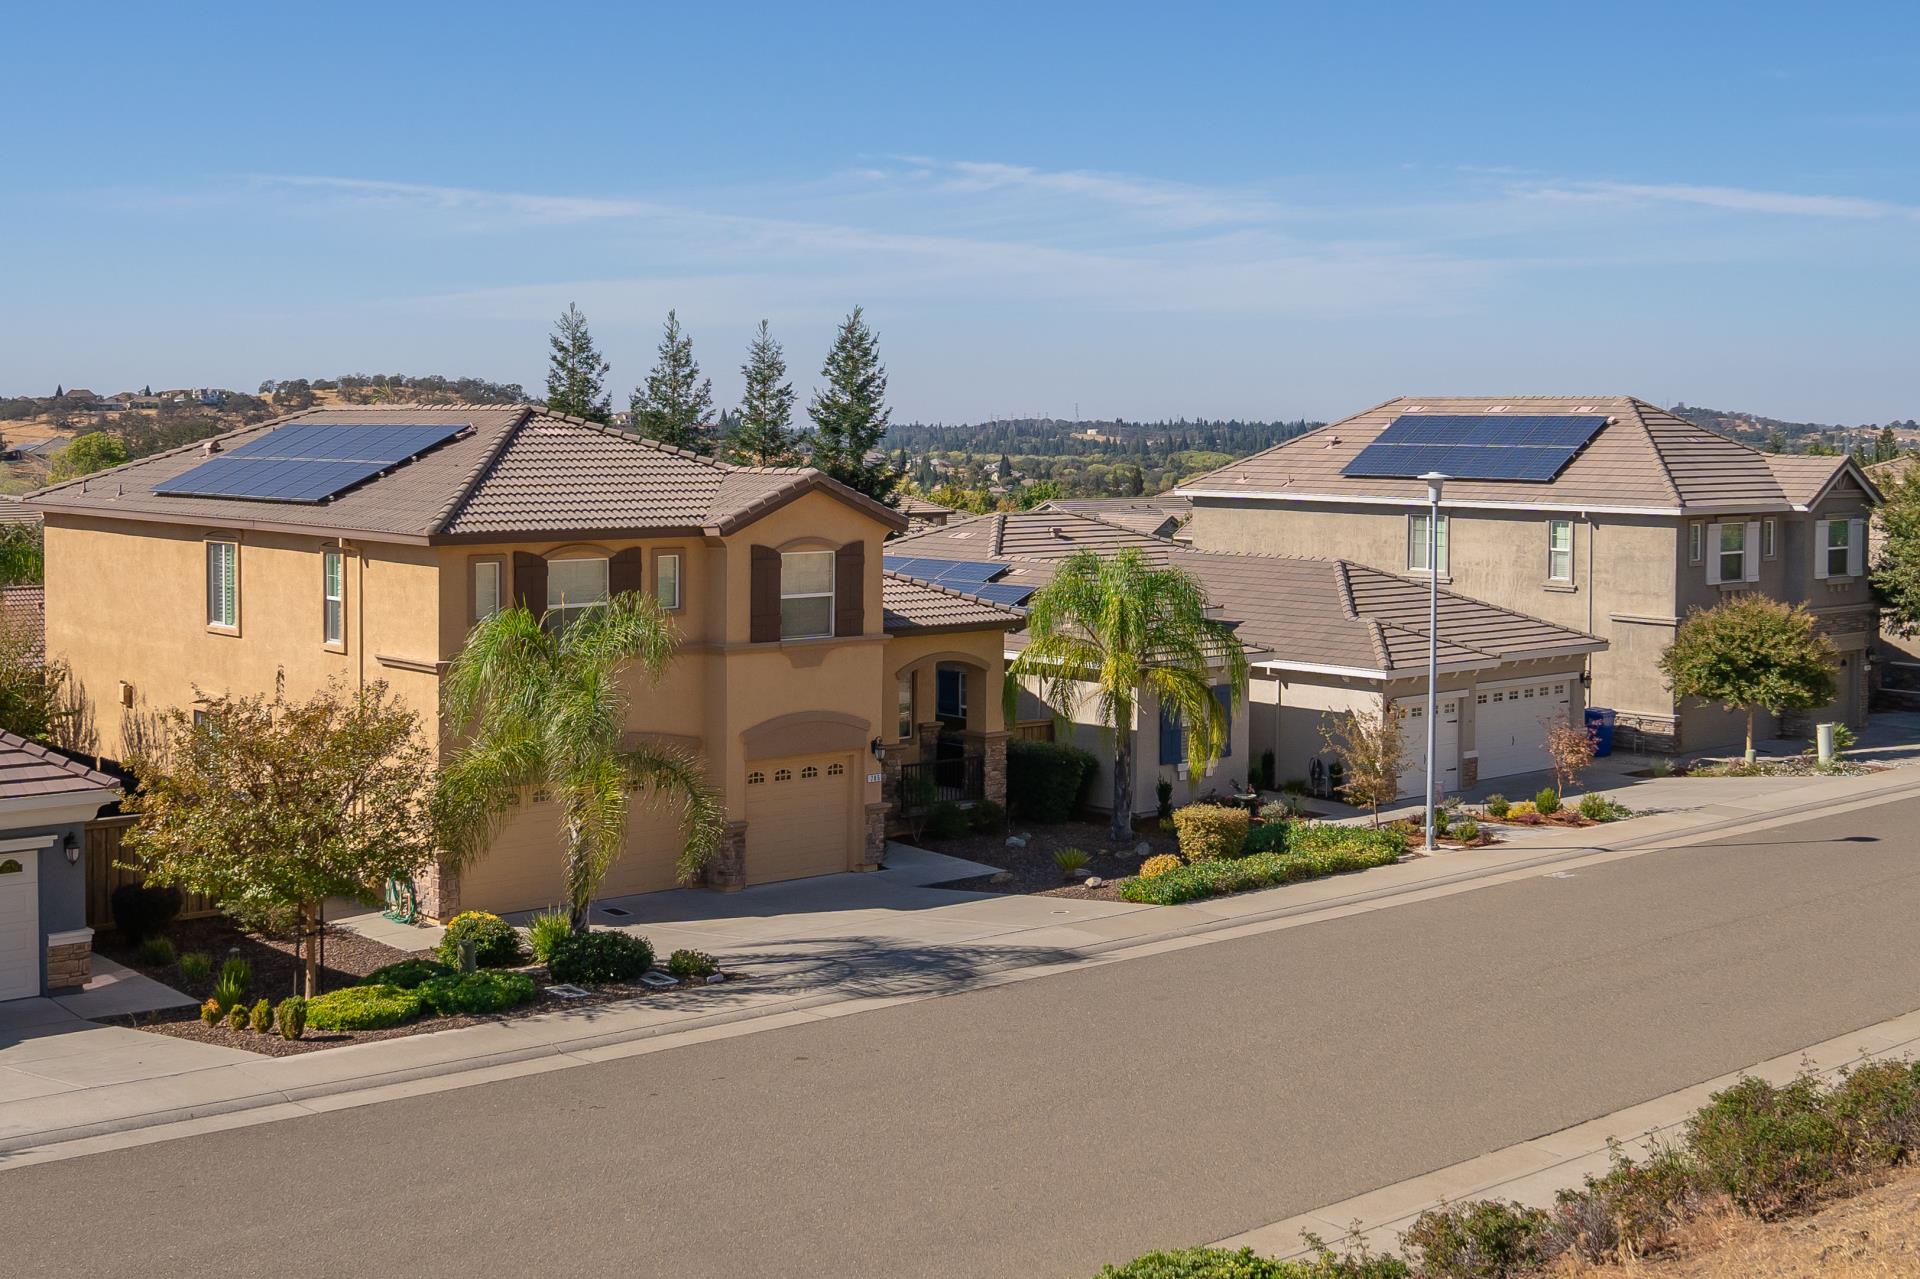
{"x":1820,"y":549}
{"x":1713,"y":555}
{"x":1856,"y":548}
{"x":1750,"y":552}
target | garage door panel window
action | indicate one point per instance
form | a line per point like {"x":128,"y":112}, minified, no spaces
{"x":806,"y":594}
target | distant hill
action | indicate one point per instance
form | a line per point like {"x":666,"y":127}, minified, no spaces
{"x":1792,"y":437}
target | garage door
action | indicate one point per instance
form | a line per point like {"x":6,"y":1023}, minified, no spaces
{"x":1510,"y":725}
{"x":526,"y":867}
{"x":1413,"y":746}
{"x":19,"y":924}
{"x":799,"y":817}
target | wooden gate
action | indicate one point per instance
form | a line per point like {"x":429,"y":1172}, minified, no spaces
{"x":103,"y":876}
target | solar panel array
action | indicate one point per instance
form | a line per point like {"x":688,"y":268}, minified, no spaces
{"x":974,"y":577}
{"x":1487,"y":447}
{"x":309,"y":461}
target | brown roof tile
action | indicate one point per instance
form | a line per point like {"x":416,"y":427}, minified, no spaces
{"x":915,"y":605}
{"x":24,"y":609}
{"x":28,"y":769}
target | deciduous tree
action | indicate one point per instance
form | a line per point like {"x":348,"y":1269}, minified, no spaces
{"x":1570,"y":749}
{"x":1367,"y":742}
{"x":94,"y":451}
{"x":1896,"y":565}
{"x":1749,"y":653}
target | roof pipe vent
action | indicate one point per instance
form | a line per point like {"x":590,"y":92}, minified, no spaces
{"x":209,"y":448}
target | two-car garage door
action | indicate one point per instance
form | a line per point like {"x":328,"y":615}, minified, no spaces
{"x":1510,"y":724}
{"x":800,"y":817}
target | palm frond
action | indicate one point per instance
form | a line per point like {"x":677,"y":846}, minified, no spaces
{"x":674,"y":777}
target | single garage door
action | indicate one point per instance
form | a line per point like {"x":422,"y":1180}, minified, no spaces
{"x":19,"y":924}
{"x":1510,"y":725}
{"x":526,"y":867}
{"x":799,"y":817}
{"x":1413,"y":745}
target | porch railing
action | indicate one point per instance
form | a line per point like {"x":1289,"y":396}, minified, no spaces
{"x":957,"y":779}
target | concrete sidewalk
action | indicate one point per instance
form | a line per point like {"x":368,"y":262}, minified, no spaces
{"x":813,"y":949}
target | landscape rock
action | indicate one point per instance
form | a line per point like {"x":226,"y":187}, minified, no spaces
{"x":1016,"y":841}
{"x":1094,"y":881}
{"x":1143,"y":849}
{"x":1002,"y":877}
{"x":714,"y":979}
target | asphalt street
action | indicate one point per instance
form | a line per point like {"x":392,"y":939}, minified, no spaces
{"x":1041,"y":1128}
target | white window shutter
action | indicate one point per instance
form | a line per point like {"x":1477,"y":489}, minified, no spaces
{"x":1856,"y":548}
{"x":1750,"y":551}
{"x":1713,"y":555}
{"x":1820,"y":548}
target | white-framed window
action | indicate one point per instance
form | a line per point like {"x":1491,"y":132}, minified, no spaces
{"x":666,"y":581}
{"x":806,"y":594}
{"x":1769,"y":532}
{"x":904,"y":698}
{"x":1837,"y":548}
{"x":223,"y":584}
{"x":1696,"y":541}
{"x":1560,"y":550}
{"x":573,"y":587}
{"x":333,"y":597}
{"x":1417,"y":544}
{"x":1732,"y":550}
{"x":486,"y":589}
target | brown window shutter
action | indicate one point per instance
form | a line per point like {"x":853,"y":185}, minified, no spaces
{"x":627,"y":571}
{"x":764,"y":627}
{"x":850,"y":589}
{"x":530,"y":582}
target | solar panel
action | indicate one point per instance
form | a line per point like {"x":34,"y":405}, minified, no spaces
{"x":955,"y":573}
{"x":1527,"y":448}
{"x":309,"y":461}
{"x":1004,"y":593}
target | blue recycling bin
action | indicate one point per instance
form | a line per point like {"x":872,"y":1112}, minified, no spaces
{"x":1600,"y":724}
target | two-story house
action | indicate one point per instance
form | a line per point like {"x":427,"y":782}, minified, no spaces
{"x":360,"y":544}
{"x":1602,"y":513}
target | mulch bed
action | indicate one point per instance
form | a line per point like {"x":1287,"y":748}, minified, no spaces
{"x":1031,"y":869}
{"x":277,"y":973}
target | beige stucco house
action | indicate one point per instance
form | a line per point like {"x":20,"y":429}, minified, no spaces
{"x":801,"y":661}
{"x":1652,"y":517}
{"x":1323,"y":637}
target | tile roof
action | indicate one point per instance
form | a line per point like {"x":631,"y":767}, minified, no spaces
{"x":519,"y":471}
{"x":1645,"y":458}
{"x":915,"y":605}
{"x":28,"y":769}
{"x":1035,"y":534}
{"x":24,"y":609}
{"x":14,"y":511}
{"x":1158,"y":516}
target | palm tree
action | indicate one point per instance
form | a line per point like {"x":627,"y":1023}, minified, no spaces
{"x":544,"y":704}
{"x":1105,"y":631}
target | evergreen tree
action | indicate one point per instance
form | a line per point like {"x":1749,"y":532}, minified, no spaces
{"x":676,"y":403}
{"x":576,"y":375}
{"x":763,"y":433}
{"x":850,"y":414}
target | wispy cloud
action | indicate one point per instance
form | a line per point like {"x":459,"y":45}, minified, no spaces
{"x":1736,"y":199}
{"x":1177,"y":203}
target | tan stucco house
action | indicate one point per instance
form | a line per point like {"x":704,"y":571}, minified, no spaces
{"x":1323,"y":637}
{"x":801,"y":661}
{"x":1650,"y":518}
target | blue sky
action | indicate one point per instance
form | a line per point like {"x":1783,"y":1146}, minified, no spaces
{"x":1252,"y":210}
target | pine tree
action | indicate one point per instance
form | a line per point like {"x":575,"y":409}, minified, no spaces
{"x":576,"y":375}
{"x":763,"y":433}
{"x":676,"y":403}
{"x":850,"y":415}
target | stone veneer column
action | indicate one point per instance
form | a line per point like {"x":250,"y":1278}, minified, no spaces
{"x":875,"y":852}
{"x":437,"y":891}
{"x":995,"y":746}
{"x":726,"y":870}
{"x":69,"y":959}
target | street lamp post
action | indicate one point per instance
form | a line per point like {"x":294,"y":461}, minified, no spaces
{"x":1435,"y":481}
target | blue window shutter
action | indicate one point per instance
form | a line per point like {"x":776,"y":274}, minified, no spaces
{"x":1223,"y":694}
{"x":1173,"y":741}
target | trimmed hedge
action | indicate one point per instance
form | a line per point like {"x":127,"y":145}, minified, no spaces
{"x":408,"y":974}
{"x":599,"y":957}
{"x":1310,"y":851}
{"x":1209,"y":832}
{"x":496,"y":943}
{"x":362,"y":1008}
{"x":1046,"y":780}
{"x":480,"y":991}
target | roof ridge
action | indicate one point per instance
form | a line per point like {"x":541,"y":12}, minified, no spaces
{"x":634,"y":437}
{"x":1653,"y":445}
{"x":470,"y":483}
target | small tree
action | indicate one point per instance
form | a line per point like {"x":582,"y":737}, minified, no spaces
{"x":850,"y":414}
{"x":1367,"y":742}
{"x":39,"y":699}
{"x":763,"y":433}
{"x":271,"y":806}
{"x":1896,"y":567}
{"x":576,"y":373}
{"x":1570,"y":748}
{"x":1751,"y":652}
{"x":94,"y":451}
{"x":674,"y":405}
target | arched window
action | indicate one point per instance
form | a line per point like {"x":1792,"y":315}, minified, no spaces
{"x":809,"y":773}
{"x":836,"y":770}
{"x":782,"y":775}
{"x":756,"y":778}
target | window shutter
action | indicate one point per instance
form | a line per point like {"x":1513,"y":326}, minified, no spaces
{"x":850,"y":589}
{"x":530,"y":583}
{"x":626,"y":571}
{"x":1223,"y":694}
{"x":764,"y":596}
{"x":1750,"y":551}
{"x":1173,"y":742}
{"x":1820,"y":548}
{"x":1856,"y":548}
{"x":1713,"y":555}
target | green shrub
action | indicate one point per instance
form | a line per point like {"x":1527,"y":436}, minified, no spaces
{"x":229,"y":992}
{"x":987,"y":817}
{"x":362,"y":1008}
{"x":480,"y":991}
{"x":195,"y":967}
{"x":1160,"y":865}
{"x":1546,"y":801}
{"x":156,"y":952}
{"x":546,"y":928}
{"x":1466,"y":830}
{"x":1771,"y":1150}
{"x":1598,"y":808}
{"x":1163,"y":798}
{"x":238,"y":970}
{"x":1045,"y":780}
{"x":1878,"y":1106}
{"x":692,"y":965}
{"x":946,"y":820}
{"x":599,"y":957}
{"x":1268,"y":837}
{"x":1218,"y":1263}
{"x":1210,"y":832}
{"x":1631,"y":1211}
{"x":210,"y":1012}
{"x":1480,"y":1240}
{"x":407,"y":974}
{"x":1279,"y":810}
{"x":1312,"y":851}
{"x":290,"y":1018}
{"x":1070,"y":860}
{"x":496,"y":943}
{"x":237,"y":1017}
{"x":1497,"y":806}
{"x":260,"y":1020}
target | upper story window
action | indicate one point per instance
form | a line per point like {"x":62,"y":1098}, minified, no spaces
{"x":806,"y":594}
{"x":573,"y":587}
{"x":1560,"y":550}
{"x":223,"y":584}
{"x":1769,"y":534}
{"x":1839,"y":547}
{"x":486,"y":589}
{"x":1732,"y":550}
{"x":333,"y":597}
{"x":666,"y":581}
{"x":1696,"y":542}
{"x":1417,"y":544}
